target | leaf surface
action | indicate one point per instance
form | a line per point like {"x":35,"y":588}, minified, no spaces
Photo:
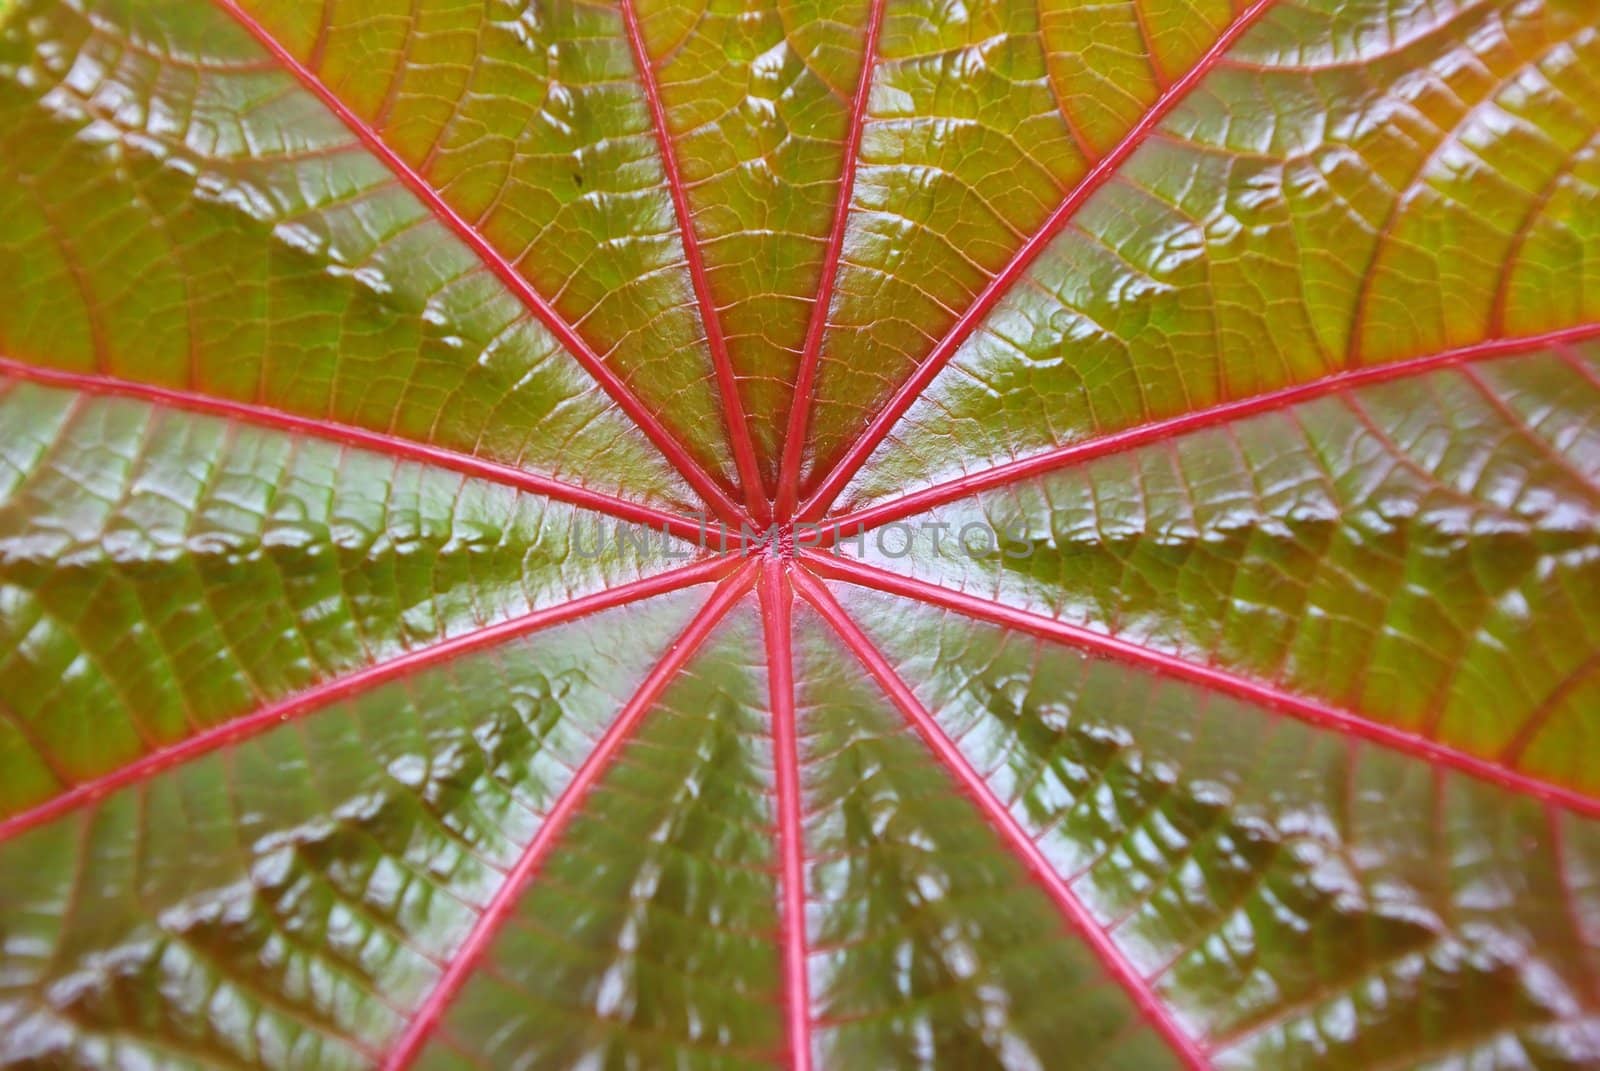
{"x":908,"y":882}
{"x":648,"y":938}
{"x":1271,"y":879}
{"x":1422,"y":552}
{"x":291,"y":899}
{"x":882,"y":534}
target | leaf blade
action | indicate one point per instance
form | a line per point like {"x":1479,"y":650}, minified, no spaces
{"x":1283,"y":548}
{"x":1272,"y":877}
{"x":395,"y":813}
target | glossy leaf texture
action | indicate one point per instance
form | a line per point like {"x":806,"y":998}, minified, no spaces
{"x":721,"y":534}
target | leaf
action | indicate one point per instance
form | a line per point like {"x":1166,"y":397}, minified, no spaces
{"x":879,"y":534}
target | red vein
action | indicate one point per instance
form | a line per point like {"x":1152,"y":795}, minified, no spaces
{"x":1576,"y":363}
{"x":1537,"y":722}
{"x":377,"y":442}
{"x":744,"y":450}
{"x":1536,"y":210}
{"x":1156,"y":431}
{"x":421,"y":1027}
{"x":860,"y":450}
{"x":776,"y":607}
{"x":318,"y":696}
{"x":1149,"y":1006}
{"x":715,"y":497}
{"x":811,"y":351}
{"x":1355,"y":344}
{"x":1143,"y":23}
{"x":1214,"y":678}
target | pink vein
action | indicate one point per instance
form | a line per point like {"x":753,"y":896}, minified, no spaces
{"x":776,"y":600}
{"x":377,"y":442}
{"x":744,"y":451}
{"x":879,"y":427}
{"x":715,"y":497}
{"x":1143,"y":23}
{"x":1214,"y":678}
{"x":1539,"y":720}
{"x":421,"y":1027}
{"x":811,"y":351}
{"x":362,"y":680}
{"x":1156,"y":431}
{"x":1094,"y":935}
